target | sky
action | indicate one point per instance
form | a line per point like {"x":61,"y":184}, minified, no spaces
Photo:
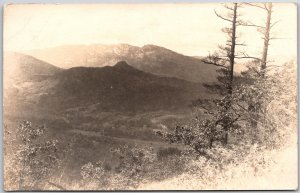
{"x":191,"y":29}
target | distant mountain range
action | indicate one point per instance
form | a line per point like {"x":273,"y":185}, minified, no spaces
{"x":110,"y":88}
{"x":149,"y":58}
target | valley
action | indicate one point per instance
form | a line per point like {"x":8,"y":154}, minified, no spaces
{"x":91,"y":110}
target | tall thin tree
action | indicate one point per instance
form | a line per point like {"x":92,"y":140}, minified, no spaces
{"x":256,"y":108}
{"x":265,"y":30}
{"x":226,"y":58}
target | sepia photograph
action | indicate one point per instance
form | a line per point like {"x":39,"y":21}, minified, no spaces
{"x":150,"y":96}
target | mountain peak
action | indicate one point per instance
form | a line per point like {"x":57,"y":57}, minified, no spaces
{"x":122,"y":64}
{"x":151,"y":46}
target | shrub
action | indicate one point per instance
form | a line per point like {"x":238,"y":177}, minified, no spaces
{"x":33,"y":160}
{"x":167,"y":152}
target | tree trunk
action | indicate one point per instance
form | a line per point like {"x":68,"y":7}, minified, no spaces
{"x":266,"y":38}
{"x":231,"y":60}
{"x":263,"y":66}
{"x":232,"y":48}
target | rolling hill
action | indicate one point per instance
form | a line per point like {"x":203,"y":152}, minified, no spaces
{"x":149,"y":58}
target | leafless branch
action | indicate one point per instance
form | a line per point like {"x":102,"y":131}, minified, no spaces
{"x":249,"y":24}
{"x":227,"y":7}
{"x":276,"y":38}
{"x":218,"y":15}
{"x":214,"y":63}
{"x":273,"y":24}
{"x":241,"y":44}
{"x":256,"y":5}
{"x":265,"y":6}
{"x":246,"y":57}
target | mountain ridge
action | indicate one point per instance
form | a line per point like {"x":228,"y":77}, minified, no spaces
{"x":149,"y":58}
{"x":19,"y":67}
{"x":113,"y":88}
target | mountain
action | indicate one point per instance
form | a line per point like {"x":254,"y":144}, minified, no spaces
{"x":24,"y":75}
{"x":149,"y":58}
{"x":21,"y":67}
{"x":111,"y":88}
{"x":119,"y":88}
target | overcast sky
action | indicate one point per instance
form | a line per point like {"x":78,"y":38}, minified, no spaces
{"x":190,"y":29}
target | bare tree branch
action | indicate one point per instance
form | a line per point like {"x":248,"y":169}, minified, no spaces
{"x":276,"y":38}
{"x":246,"y":57}
{"x":266,"y":7}
{"x":227,"y":7}
{"x":273,"y":24}
{"x":256,"y":5}
{"x":241,"y":44}
{"x":214,"y":63}
{"x":226,"y":19}
{"x":249,"y":24}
